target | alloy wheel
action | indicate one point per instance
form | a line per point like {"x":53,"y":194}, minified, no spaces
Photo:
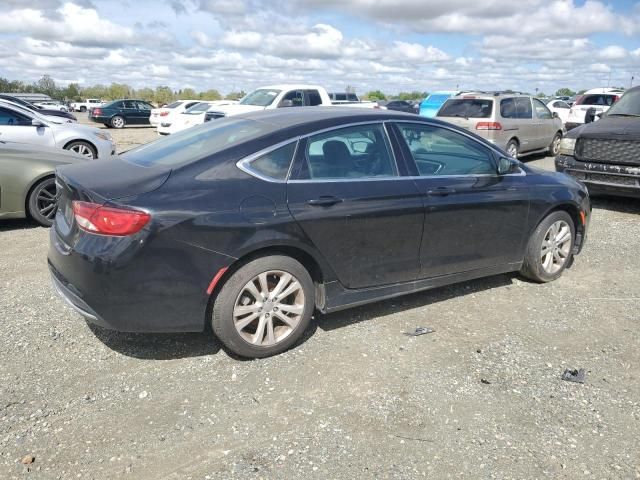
{"x":117,"y":122}
{"x":555,"y":145}
{"x":82,"y":149}
{"x":512,"y":150}
{"x":556,"y":246}
{"x":269,"y":308}
{"x":46,"y":200}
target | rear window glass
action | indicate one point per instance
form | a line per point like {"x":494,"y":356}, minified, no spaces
{"x":598,"y":99}
{"x":174,"y":105}
{"x":466,"y":108}
{"x":276,"y":163}
{"x":198,"y":108}
{"x":197,"y":142}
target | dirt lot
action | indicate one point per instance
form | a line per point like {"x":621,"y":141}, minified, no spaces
{"x":479,"y":398}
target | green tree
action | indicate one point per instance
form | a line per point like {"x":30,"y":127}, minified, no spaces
{"x":117,"y":91}
{"x":211,"y":94}
{"x":415,"y":95}
{"x":375,"y":95}
{"x":541,"y":95}
{"x":163,"y":95}
{"x":188,"y":94}
{"x":72,"y":92}
{"x":47,"y":86}
{"x":235,"y":95}
{"x":95,"y":91}
{"x":145,"y":94}
{"x":565,"y":92}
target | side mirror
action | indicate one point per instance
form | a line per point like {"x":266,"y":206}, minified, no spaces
{"x":600,"y":115}
{"x":590,"y":115}
{"x":37,"y":123}
{"x":286,"y":103}
{"x":506,"y":165}
{"x":555,"y":115}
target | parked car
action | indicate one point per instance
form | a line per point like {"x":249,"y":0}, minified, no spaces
{"x":23,"y":126}
{"x":27,"y":180}
{"x":167,"y":113}
{"x":52,"y":106}
{"x":519,"y":123}
{"x":597,"y":100}
{"x":431,"y":104}
{"x":559,"y":107}
{"x":349,"y":98}
{"x":195,"y":115}
{"x":87,"y":104}
{"x":284,"y":96}
{"x":605,"y":155}
{"x":53,"y":115}
{"x":250,"y":223}
{"x":400,"y":106}
{"x":119,"y":113}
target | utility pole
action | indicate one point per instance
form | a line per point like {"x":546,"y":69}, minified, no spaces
{"x":631,"y":82}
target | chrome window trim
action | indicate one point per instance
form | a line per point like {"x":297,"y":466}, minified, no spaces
{"x":244,"y":163}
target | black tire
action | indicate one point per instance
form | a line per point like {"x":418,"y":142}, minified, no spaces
{"x":222,"y":318}
{"x":532,"y":268}
{"x":108,"y":125}
{"x":83,"y":109}
{"x":42,"y":202}
{"x":82,"y":148}
{"x":554,"y":147}
{"x":513,"y":148}
{"x":118,"y":122}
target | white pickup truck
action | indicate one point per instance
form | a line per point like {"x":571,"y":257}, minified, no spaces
{"x":87,"y":104}
{"x":279,"y":96}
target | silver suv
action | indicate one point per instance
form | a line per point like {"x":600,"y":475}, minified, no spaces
{"x":520,"y":124}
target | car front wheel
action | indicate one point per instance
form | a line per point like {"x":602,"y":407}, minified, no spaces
{"x":554,"y":148}
{"x":264,"y":307}
{"x":549,"y":249}
{"x":82,"y":148}
{"x":42,"y":202}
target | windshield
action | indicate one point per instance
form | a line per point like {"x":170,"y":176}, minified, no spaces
{"x":260,"y":98}
{"x":629,"y":104}
{"x":197,"y":142}
{"x":197,"y":108}
{"x":436,"y":99}
{"x":467,"y":108}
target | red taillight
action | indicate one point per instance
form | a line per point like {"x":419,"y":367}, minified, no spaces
{"x":95,"y":218}
{"x":488,"y":126}
{"x":97,"y":111}
{"x":164,"y":113}
{"x":615,"y":99}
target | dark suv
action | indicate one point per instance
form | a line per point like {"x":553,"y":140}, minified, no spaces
{"x":605,"y":155}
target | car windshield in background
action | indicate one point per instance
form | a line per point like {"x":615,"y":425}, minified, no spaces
{"x":260,"y":98}
{"x":467,"y":108}
{"x":628,"y":105}
{"x":174,"y":104}
{"x":198,"y":108}
{"x":437,"y":99}
{"x":196,"y":143}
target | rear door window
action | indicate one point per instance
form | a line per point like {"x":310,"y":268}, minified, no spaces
{"x":508,"y":108}
{"x":296,"y":97}
{"x":466,"y":108}
{"x":440,"y":151}
{"x":523,"y":108}
{"x":361,"y":151}
{"x":313,"y":98}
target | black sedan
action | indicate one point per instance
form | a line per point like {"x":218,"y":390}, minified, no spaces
{"x":250,"y":223}
{"x":119,"y":113}
{"x":401,"y":106}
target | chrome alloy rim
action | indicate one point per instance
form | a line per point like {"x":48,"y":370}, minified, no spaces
{"x":118,"y":122}
{"x":555,"y":149}
{"x":556,"y":246}
{"x":269,"y":308}
{"x":83,"y":150}
{"x":513,"y":150}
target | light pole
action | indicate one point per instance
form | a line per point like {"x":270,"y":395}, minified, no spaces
{"x":631,"y":82}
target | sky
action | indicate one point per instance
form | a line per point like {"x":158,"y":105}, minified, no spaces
{"x":391,"y":45}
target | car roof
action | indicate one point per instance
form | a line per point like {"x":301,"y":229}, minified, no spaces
{"x":603,"y":90}
{"x":289,"y":86}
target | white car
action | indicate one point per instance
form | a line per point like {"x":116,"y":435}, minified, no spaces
{"x":600,"y":99}
{"x":190,"y":117}
{"x":52,"y":106}
{"x":166,"y":113}
{"x":86,"y":104}
{"x":560,"y":107}
{"x":23,"y":126}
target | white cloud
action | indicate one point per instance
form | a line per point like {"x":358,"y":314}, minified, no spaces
{"x":613,"y":52}
{"x":419,"y":53}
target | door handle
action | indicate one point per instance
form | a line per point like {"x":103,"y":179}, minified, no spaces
{"x":324,"y":201}
{"x":440,"y":192}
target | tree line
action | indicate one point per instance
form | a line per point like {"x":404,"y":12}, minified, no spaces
{"x":73,"y":91}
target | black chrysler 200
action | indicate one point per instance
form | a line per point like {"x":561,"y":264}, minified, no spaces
{"x":251,"y":223}
{"x":605,"y":155}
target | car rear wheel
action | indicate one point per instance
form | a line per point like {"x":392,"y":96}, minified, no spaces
{"x":554,"y":148}
{"x":42,"y":202}
{"x":117,"y":122}
{"x":264,"y":307}
{"x":549,"y":249}
{"x":82,"y":148}
{"x":512,"y":148}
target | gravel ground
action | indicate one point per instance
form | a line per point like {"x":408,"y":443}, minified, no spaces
{"x":479,"y":398}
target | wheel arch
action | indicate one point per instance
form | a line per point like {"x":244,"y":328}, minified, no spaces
{"x":95,"y":149}
{"x":574,"y":212}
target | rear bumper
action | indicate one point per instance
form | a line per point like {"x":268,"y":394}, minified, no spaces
{"x":116,"y":283}
{"x":602,"y":178}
